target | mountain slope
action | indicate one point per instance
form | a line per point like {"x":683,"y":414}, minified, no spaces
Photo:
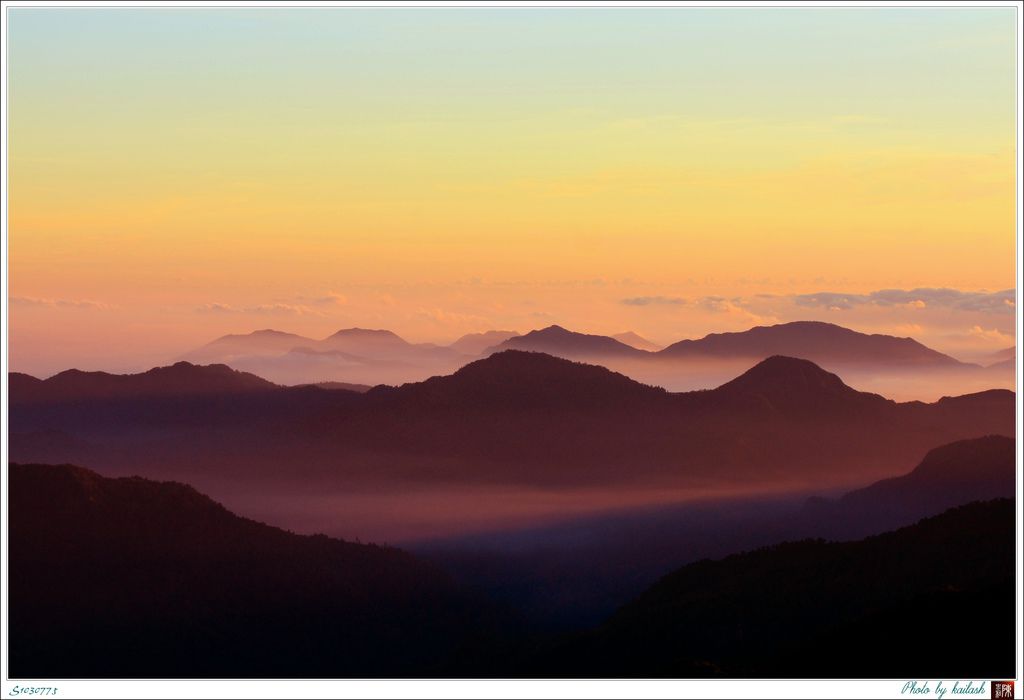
{"x":822,"y":343}
{"x":636,"y":341}
{"x":170,"y":584}
{"x":811,"y":609}
{"x":951,"y":475}
{"x":477,"y":343}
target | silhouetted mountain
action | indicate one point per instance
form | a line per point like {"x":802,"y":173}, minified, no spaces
{"x":476,"y":343}
{"x":20,"y":384}
{"x":528,"y":418}
{"x":262,"y":342}
{"x":341,"y":386}
{"x":523,"y":380}
{"x":167,"y":583}
{"x":790,"y":385}
{"x":822,"y":343}
{"x":636,"y":341}
{"x":179,"y":379}
{"x":951,"y":475}
{"x":813,"y":609}
{"x":559,"y":342}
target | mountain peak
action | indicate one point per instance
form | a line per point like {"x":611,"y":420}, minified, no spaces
{"x":788,"y":368}
{"x":365,"y":333}
{"x":561,"y":342}
{"x":789,"y":383}
{"x":521,"y":378}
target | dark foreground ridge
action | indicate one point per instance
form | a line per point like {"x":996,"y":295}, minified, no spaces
{"x":815,"y":609}
{"x":133,"y":578}
{"x":113,"y":578}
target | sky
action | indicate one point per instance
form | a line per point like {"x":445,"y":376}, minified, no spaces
{"x":178,"y":174}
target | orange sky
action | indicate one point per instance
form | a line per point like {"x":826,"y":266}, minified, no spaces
{"x":446,"y":171}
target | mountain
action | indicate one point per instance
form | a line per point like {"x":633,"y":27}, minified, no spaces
{"x":1005,"y":354}
{"x":476,"y":343}
{"x":363,"y":341}
{"x":786,"y":384}
{"x":262,"y":342}
{"x":635,"y":341}
{"x":559,"y":342}
{"x":170,"y":584}
{"x":822,"y":343}
{"x":179,"y":379}
{"x":528,"y":419}
{"x":1004,"y":361}
{"x":351,"y":355}
{"x":810,"y":609}
{"x":951,"y":475}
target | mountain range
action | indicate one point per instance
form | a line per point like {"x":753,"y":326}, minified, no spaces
{"x":822,"y":343}
{"x":364,"y":356}
{"x":179,"y":379}
{"x":586,"y":425}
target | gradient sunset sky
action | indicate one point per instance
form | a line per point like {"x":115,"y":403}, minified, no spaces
{"x":179,"y":174}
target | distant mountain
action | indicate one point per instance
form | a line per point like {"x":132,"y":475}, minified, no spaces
{"x":1003,"y":366}
{"x":1003,"y":361}
{"x":1009,"y":353}
{"x":822,"y":343}
{"x":530,"y":418}
{"x":476,"y":343}
{"x":363,"y":341}
{"x":230,"y":347}
{"x":559,"y":342}
{"x":170,"y":585}
{"x":351,"y":355}
{"x":810,"y":609}
{"x":636,"y":341}
{"x":179,"y":379}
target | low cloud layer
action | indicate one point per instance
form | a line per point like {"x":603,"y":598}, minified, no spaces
{"x":261,"y":309}
{"x":1002,"y":302}
{"x":654,"y":301}
{"x":61,"y":303}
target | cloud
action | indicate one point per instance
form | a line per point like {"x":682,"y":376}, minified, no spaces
{"x":262,"y":309}
{"x":445,"y":317}
{"x":654,"y":301}
{"x":736,"y":308}
{"x":328,"y":299}
{"x":1001,"y":302}
{"x":62,"y":303}
{"x":991,"y":335}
